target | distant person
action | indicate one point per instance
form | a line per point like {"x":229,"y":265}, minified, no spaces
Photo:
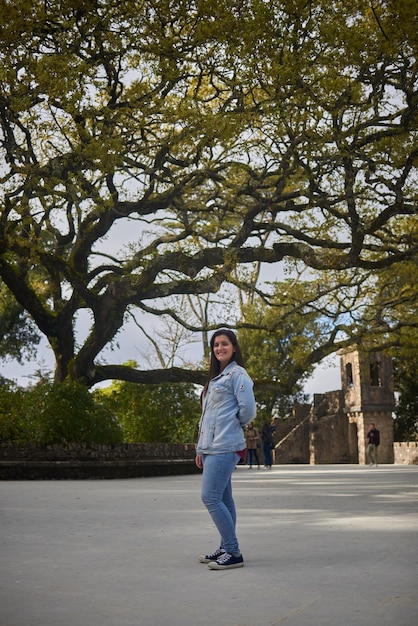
{"x":253,"y":441}
{"x":373,"y":439}
{"x":228,"y":405}
{"x":268,"y":444}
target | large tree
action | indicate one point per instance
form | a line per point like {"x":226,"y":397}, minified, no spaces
{"x":221,"y":135}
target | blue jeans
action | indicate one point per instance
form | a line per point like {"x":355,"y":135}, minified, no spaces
{"x":267,"y":454}
{"x":217,"y":496}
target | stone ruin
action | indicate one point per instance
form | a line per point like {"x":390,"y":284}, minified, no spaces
{"x":333,"y":429}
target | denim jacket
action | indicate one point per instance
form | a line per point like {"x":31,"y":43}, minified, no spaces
{"x":228,"y":405}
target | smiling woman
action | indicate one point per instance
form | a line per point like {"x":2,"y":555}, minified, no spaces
{"x":228,"y":404}
{"x":223,"y":350}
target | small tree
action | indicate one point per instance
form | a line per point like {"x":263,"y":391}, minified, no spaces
{"x":278,"y":343}
{"x":406,"y":421}
{"x":394,"y":306}
{"x":406,"y":385}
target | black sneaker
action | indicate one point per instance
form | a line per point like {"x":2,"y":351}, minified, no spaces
{"x":227,"y":561}
{"x":212,"y":557}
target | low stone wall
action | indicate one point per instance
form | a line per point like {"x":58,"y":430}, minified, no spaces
{"x":81,"y":461}
{"x":405,"y":452}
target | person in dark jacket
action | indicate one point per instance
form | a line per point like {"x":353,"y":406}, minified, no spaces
{"x":373,"y":441}
{"x":268,"y":444}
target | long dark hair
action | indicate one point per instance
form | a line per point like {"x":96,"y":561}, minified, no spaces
{"x":215,"y":366}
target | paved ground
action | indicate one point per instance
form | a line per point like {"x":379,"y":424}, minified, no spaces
{"x":323,"y":545}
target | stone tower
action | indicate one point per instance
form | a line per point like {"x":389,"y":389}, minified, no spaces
{"x":367,"y":385}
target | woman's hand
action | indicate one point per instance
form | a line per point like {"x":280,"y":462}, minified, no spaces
{"x":198,"y":461}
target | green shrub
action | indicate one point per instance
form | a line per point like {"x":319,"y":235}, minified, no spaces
{"x":165,"y":413}
{"x":12,"y":424}
{"x":49,"y":413}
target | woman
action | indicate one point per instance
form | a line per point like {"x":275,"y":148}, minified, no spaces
{"x":252,"y":438}
{"x":227,"y":405}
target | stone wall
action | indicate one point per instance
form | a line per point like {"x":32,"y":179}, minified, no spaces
{"x":76,"y":460}
{"x":405,"y":452}
{"x":292,"y":437}
{"x":321,"y":434}
{"x":294,"y":447}
{"x":328,"y":430}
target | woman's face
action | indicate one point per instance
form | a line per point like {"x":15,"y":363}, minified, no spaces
{"x":223,"y":350}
